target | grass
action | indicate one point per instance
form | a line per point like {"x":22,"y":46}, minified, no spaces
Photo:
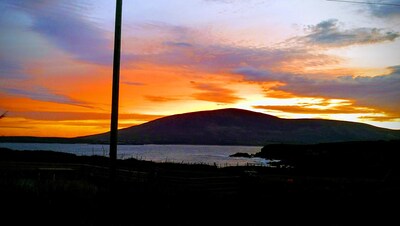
{"x":47,"y":188}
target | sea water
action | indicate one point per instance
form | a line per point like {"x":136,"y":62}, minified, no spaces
{"x":203,"y":154}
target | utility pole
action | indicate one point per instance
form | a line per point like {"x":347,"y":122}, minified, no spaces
{"x":115,"y":92}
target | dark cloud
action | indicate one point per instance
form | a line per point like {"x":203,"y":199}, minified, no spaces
{"x":43,"y":94}
{"x":380,"y":92}
{"x":253,"y":74}
{"x":329,"y":34}
{"x":386,"y":11}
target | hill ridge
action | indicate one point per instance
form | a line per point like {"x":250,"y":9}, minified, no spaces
{"x":233,"y":126}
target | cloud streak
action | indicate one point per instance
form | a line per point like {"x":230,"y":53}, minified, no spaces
{"x":160,"y":98}
{"x":43,"y":94}
{"x":133,"y":83}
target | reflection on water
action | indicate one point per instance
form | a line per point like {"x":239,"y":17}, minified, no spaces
{"x":206,"y":154}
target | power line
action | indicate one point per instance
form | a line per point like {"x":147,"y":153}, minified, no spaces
{"x":369,"y":3}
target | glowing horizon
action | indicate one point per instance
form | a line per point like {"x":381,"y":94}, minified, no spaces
{"x":291,"y":59}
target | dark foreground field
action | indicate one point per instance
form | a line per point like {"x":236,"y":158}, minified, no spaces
{"x":49,"y":188}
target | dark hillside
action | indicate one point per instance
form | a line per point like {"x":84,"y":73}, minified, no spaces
{"x":241,"y":127}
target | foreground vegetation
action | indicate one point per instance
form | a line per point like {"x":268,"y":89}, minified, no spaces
{"x":50,"y":188}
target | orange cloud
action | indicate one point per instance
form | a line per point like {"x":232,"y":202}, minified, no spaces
{"x":215,"y":93}
{"x":278,"y":94}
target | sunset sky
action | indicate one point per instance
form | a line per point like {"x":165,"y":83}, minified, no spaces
{"x":288,"y":58}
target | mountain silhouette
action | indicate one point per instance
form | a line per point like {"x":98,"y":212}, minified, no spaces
{"x":242,"y":127}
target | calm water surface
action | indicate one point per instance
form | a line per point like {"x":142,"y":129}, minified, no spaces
{"x":207,"y":154}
